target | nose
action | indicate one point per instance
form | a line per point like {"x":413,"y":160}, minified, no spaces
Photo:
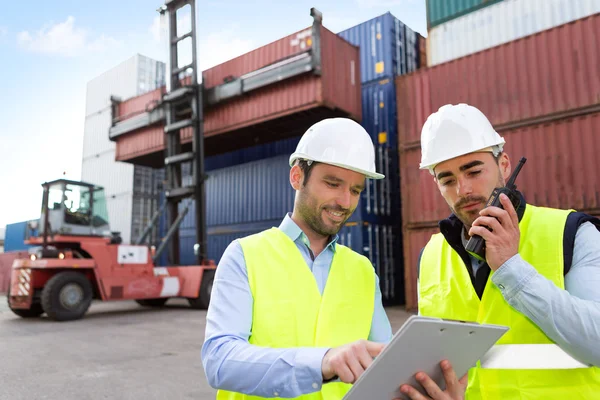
{"x":345,"y":199}
{"x":464,"y":187}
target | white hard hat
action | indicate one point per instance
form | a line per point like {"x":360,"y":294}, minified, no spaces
{"x":456,"y":130}
{"x":341,"y":142}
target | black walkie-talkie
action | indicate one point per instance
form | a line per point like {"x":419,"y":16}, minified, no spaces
{"x":476,"y":244}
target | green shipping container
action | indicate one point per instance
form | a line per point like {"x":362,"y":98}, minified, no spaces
{"x":440,"y":11}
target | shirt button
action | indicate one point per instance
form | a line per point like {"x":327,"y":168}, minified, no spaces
{"x":501,"y":286}
{"x":314,"y":385}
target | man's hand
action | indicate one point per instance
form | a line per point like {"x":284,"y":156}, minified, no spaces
{"x":349,"y":361}
{"x":502,"y":242}
{"x":455,"y":388}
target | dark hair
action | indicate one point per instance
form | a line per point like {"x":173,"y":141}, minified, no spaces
{"x":306,"y":168}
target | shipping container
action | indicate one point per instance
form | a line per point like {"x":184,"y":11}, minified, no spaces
{"x":388,"y":47}
{"x":278,"y":111}
{"x":261,"y":191}
{"x":132,"y":77}
{"x":115,"y":177}
{"x":440,"y":11}
{"x":541,"y":76}
{"x":413,"y":242}
{"x":561,"y":170}
{"x":14,"y":236}
{"x":378,"y":242}
{"x":6,"y":261}
{"x":501,"y":23}
{"x":380,"y":110}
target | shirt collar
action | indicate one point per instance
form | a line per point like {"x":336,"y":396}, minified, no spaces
{"x":293,"y":231}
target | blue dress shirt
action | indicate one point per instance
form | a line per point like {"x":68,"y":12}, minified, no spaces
{"x":232,"y":364}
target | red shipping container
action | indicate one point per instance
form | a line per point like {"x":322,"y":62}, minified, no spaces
{"x":6,"y":261}
{"x":413,"y":241}
{"x":539,"y":75}
{"x":274,"y":112}
{"x":561,"y":170}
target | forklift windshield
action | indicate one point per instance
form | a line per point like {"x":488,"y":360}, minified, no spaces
{"x":75,"y":207}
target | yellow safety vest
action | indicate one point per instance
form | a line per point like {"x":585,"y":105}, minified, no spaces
{"x":289,"y":311}
{"x":446,"y":291}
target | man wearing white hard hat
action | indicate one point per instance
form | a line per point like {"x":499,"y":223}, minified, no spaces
{"x":293,"y":313}
{"x":540,"y":274}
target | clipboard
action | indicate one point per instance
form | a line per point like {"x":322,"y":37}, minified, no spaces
{"x":420,"y":345}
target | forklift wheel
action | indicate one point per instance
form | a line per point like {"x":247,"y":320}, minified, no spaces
{"x":67,"y":296}
{"x":33,"y":312}
{"x":203,"y":300}
{"x":152,"y":302}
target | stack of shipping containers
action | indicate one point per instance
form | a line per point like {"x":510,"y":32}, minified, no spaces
{"x":541,"y":93}
{"x":131,"y":190}
{"x":248,"y":190}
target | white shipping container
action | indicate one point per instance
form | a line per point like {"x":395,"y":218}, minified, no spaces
{"x":501,"y":23}
{"x":133,"y":77}
{"x":95,"y":135}
{"x":103,"y":170}
{"x":119,"y":214}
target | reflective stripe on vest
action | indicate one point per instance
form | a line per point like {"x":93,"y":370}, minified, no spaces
{"x":529,"y":356}
{"x":525,"y":364}
{"x":288,"y":309}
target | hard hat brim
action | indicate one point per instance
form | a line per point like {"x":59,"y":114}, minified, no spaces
{"x":368,"y":174}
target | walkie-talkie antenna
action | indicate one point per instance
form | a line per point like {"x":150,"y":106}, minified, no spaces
{"x":511,"y":180}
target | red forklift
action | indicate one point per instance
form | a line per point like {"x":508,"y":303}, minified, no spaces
{"x":77,"y":259}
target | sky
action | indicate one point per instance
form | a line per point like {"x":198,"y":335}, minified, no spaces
{"x":51,"y":49}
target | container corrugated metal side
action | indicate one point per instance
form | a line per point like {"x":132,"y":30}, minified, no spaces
{"x":102,"y":170}
{"x":260,"y":190}
{"x":380,"y":112}
{"x":95,"y":135}
{"x":561,"y":170}
{"x":119,"y":208}
{"x":383,"y":47}
{"x":413,"y":242}
{"x":121,"y":81}
{"x":147,"y":185}
{"x":440,"y":11}
{"x":291,"y":106}
{"x":501,"y":23}
{"x":547,"y":73}
{"x":14,"y":236}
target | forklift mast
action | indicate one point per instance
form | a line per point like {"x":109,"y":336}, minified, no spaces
{"x":184,"y":97}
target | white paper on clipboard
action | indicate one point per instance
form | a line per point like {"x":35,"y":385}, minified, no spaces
{"x":420,"y":345}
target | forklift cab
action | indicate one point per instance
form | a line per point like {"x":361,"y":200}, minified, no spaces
{"x":74,"y":208}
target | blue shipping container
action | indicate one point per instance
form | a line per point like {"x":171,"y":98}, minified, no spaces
{"x":381,"y":244}
{"x":261,"y":191}
{"x":380,"y":112}
{"x":254,"y":153}
{"x":383,"y":47}
{"x":14,"y":237}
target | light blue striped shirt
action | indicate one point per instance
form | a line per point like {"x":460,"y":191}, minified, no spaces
{"x":232,"y":364}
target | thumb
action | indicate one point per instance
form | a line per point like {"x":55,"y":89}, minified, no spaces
{"x":374,"y":348}
{"x":464,"y":380}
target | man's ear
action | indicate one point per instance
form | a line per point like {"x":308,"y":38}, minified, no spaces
{"x":505,"y":166}
{"x":296,"y":177}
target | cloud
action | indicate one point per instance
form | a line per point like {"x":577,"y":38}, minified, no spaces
{"x":213,"y":49}
{"x":65,"y":39}
{"x":219,"y":47}
{"x":3,"y":31}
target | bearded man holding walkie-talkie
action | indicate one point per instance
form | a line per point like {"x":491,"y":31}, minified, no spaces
{"x":536,"y":270}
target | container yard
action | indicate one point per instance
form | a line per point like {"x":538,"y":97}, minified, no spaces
{"x":180,"y":161}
